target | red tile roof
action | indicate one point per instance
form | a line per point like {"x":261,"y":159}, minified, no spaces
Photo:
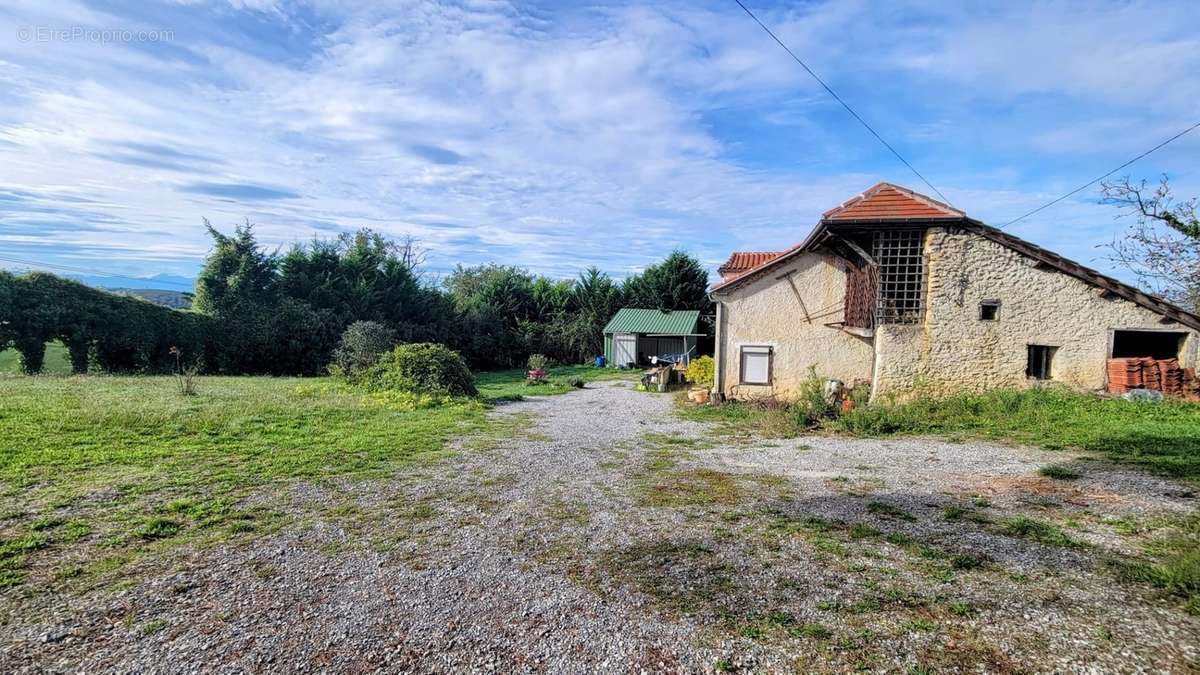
{"x":885,"y":202}
{"x":740,"y":261}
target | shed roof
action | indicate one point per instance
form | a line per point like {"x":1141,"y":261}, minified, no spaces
{"x":653,"y":321}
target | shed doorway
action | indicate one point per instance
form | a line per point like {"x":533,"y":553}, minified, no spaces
{"x":625,"y":349}
{"x":1154,"y":344}
{"x":655,"y":345}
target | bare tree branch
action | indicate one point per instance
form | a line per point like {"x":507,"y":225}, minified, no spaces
{"x":1163,"y":247}
{"x":411,"y":252}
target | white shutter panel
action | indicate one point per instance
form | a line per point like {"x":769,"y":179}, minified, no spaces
{"x":756,"y":365}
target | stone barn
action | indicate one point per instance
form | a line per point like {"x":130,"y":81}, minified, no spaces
{"x":898,"y":290}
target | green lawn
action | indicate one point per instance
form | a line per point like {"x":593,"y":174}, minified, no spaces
{"x":510,"y":384}
{"x":57,"y":362}
{"x":1162,"y":436}
{"x":104,"y":468}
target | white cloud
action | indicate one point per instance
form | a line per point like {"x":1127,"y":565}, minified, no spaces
{"x":555,"y":137}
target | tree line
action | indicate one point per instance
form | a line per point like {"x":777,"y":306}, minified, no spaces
{"x":261,"y":312}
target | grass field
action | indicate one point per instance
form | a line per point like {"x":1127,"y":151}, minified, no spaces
{"x":57,"y":362}
{"x":1162,"y":436}
{"x":95,"y":471}
{"x":98,"y":470}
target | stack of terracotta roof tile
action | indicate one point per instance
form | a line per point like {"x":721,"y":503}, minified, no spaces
{"x":1151,"y":375}
{"x":1124,"y":374}
{"x":1171,"y":377}
{"x":1163,"y":375}
{"x":1191,"y":385}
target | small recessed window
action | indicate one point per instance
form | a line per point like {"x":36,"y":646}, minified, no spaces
{"x":989,"y":310}
{"x":756,"y":365}
{"x":1039,"y":362}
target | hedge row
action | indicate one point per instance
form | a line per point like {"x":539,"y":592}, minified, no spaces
{"x":110,"y":332}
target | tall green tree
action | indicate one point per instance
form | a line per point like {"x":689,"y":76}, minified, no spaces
{"x":237,"y":275}
{"x":493,"y":303}
{"x":238,"y":287}
{"x":678,"y":282}
{"x":364,"y":276}
{"x":595,"y":298}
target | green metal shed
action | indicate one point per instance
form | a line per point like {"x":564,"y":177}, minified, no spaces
{"x":634,"y":336}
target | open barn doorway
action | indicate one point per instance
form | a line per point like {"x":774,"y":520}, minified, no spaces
{"x":1154,"y":344}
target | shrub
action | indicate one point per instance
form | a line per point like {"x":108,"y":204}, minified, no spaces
{"x":702,"y":371}
{"x":538,"y":362}
{"x":420,"y":368}
{"x":360,"y":347}
{"x":810,"y":407}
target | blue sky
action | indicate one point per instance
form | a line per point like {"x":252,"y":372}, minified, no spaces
{"x":561,"y":135}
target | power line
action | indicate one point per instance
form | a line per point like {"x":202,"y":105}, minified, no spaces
{"x":79,"y":270}
{"x":1097,"y":180}
{"x":839,"y":100}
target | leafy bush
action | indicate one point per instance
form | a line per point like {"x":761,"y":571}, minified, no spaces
{"x":420,"y":368}
{"x":702,"y":371}
{"x":538,"y":361}
{"x":360,"y":347}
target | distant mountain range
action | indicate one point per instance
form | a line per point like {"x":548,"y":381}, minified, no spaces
{"x":167,"y":290}
{"x":162,"y":282}
{"x":172,"y":299}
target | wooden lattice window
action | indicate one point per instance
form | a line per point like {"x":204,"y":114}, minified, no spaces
{"x":899,"y":255}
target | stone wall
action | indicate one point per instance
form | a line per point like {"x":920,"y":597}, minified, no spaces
{"x":954,"y":349}
{"x":788,"y":309}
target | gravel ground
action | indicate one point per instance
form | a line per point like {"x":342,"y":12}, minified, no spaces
{"x":602,"y":534}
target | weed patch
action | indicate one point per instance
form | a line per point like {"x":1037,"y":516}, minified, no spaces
{"x":158,"y":528}
{"x":890,"y":510}
{"x":1059,"y":472}
{"x":680,"y":576}
{"x":1037,"y":530}
{"x":1172,"y":564}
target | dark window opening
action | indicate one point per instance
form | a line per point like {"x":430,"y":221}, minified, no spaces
{"x":899,"y":255}
{"x":989,"y":310}
{"x":1155,"y":344}
{"x":1038,"y":361}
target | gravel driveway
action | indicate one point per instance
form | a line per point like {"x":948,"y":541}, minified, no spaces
{"x":599,"y":533}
